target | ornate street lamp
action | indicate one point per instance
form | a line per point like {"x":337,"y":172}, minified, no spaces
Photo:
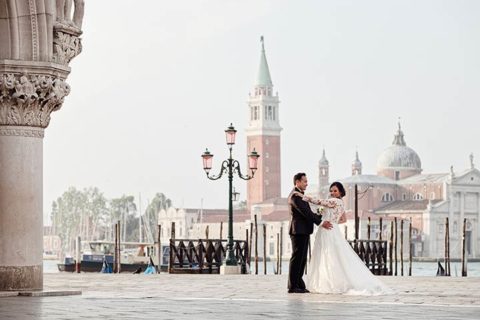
{"x":230,"y":167}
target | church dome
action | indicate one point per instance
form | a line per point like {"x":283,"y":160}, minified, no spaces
{"x":398,"y":155}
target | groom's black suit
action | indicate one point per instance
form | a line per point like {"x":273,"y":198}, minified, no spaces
{"x":302,"y":219}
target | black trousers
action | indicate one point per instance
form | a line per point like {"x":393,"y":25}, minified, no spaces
{"x":298,"y":261}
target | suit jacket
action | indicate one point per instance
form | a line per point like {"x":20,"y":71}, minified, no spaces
{"x":302,"y":217}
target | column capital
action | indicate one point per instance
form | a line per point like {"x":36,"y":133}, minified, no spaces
{"x":27,"y":98}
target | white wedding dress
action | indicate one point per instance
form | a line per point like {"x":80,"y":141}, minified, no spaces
{"x":334,"y":267}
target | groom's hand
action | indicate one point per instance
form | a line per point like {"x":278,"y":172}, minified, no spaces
{"x":327,"y":225}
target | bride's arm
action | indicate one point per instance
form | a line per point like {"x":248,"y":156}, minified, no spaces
{"x":340,"y":211}
{"x":326,"y":203}
{"x":320,"y":202}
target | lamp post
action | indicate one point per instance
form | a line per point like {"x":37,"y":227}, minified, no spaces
{"x":230,"y":167}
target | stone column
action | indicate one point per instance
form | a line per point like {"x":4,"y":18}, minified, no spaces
{"x":26,"y":101}
{"x":34,"y":55}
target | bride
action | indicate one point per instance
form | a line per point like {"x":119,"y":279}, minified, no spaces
{"x":334,"y":267}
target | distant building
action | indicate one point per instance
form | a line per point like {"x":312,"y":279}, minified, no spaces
{"x":52,"y":244}
{"x":400,"y":189}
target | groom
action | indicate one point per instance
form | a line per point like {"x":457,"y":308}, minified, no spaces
{"x":302,"y":219}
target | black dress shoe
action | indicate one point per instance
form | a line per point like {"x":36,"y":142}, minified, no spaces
{"x":306,"y":291}
{"x":296,"y":290}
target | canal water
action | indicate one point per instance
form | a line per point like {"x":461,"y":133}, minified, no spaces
{"x":418,"y":268}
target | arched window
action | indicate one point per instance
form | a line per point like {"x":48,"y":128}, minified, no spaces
{"x":418,"y":196}
{"x":387,"y":197}
{"x":404,"y":196}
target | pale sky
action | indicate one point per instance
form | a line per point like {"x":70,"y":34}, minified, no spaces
{"x":158,"y":81}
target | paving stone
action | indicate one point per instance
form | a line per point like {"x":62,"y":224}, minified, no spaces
{"x":167,"y":296}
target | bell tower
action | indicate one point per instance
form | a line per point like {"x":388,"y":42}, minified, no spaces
{"x":263,"y":134}
{"x":323,"y":176}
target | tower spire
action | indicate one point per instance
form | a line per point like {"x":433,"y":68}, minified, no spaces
{"x":323,"y":160}
{"x":263,"y":76}
{"x":356,"y":165}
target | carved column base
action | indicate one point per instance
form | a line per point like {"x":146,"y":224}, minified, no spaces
{"x":13,"y":278}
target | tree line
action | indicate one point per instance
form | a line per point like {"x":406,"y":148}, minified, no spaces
{"x":89,"y":214}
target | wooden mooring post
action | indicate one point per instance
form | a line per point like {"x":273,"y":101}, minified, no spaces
{"x":395,"y":244}
{"x":172,"y":245}
{"x":410,"y":245}
{"x":369,"y":224}
{"x":264,"y":248}
{"x":401,"y":247}
{"x":247,"y":253}
{"x":221,"y":231}
{"x":115,"y":252}
{"x":119,"y":249}
{"x":256,"y":245}
{"x":278,"y":253}
{"x":281,"y":250}
{"x":250,"y":247}
{"x":464,"y":265}
{"x":78,"y":256}
{"x":390,"y":248}
{"x":207,"y":230}
{"x":159,"y":247}
{"x":447,"y":247}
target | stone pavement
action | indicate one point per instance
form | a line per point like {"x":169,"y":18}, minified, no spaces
{"x":165,"y":296}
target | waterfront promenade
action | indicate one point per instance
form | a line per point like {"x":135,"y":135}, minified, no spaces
{"x":165,"y":296}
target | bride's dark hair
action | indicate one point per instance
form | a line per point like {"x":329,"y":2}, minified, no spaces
{"x":339,"y":187}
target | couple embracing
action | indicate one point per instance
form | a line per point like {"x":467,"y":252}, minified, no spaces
{"x":334,"y":267}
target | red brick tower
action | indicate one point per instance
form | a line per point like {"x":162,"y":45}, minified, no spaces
{"x":263,"y":134}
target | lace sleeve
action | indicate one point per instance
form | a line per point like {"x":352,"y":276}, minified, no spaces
{"x":330,"y":203}
{"x":339,"y":209}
